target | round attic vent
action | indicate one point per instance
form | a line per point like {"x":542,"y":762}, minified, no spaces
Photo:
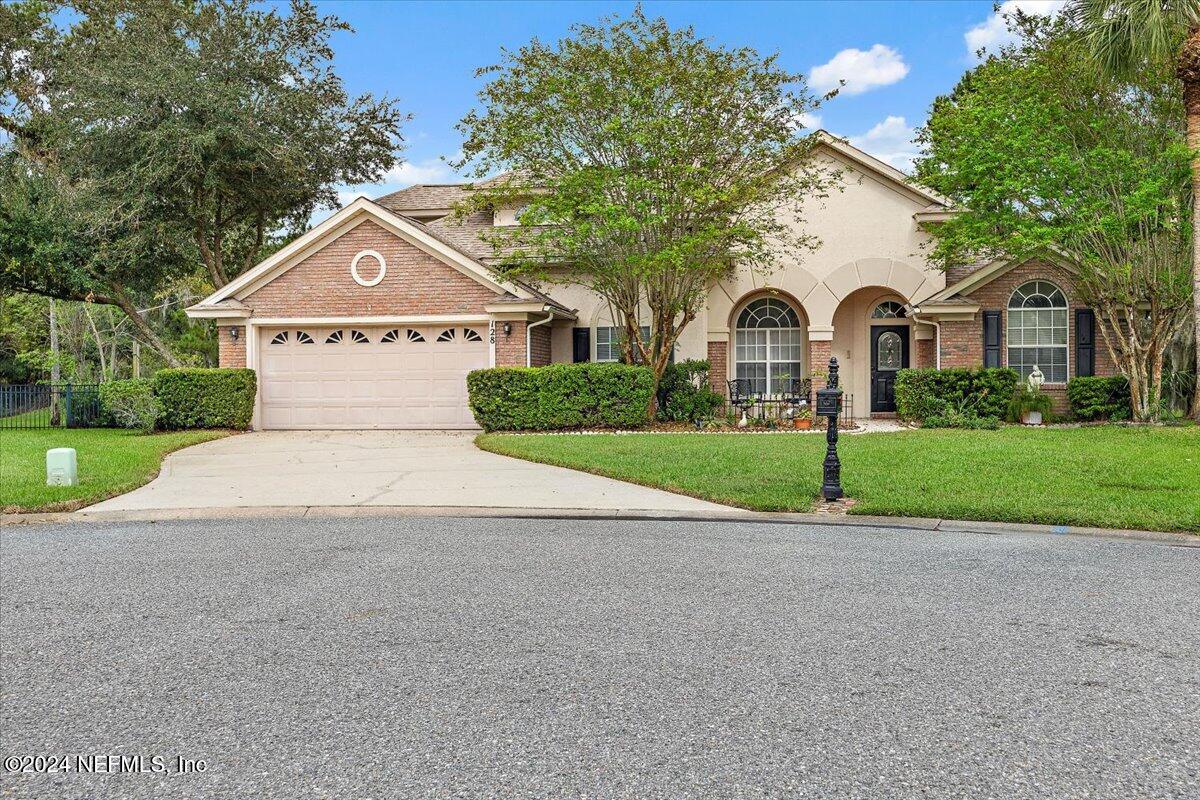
{"x":359,"y":278}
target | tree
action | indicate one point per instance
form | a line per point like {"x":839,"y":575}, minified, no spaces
{"x":648,"y":163}
{"x":1046,"y":156}
{"x":179,"y":135}
{"x":1127,"y":36}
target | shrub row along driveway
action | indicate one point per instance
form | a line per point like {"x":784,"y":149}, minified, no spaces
{"x":1108,"y":476}
{"x":438,"y":657}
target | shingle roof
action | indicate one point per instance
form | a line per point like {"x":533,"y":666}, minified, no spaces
{"x":424,"y":196}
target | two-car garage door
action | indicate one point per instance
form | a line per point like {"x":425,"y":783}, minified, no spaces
{"x":369,"y":377}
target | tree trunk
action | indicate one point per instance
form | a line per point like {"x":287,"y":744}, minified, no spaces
{"x":143,"y":327}
{"x":55,"y":366}
{"x":1191,"y":100}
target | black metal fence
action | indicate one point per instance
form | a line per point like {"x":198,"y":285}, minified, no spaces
{"x":46,"y":405}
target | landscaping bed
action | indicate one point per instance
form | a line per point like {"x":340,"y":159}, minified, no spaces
{"x":111,"y":462}
{"x":1104,"y":476}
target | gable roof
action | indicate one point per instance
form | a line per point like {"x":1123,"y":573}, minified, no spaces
{"x":883,"y":170}
{"x":988,"y":271}
{"x":412,"y":231}
{"x":425,"y":197}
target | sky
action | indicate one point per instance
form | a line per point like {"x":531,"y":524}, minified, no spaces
{"x":895,"y":57}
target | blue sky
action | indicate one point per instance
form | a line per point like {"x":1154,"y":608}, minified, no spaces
{"x":896,"y":56}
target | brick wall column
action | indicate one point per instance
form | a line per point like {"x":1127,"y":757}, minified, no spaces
{"x":718,"y":367}
{"x":231,"y":353}
{"x":818,"y":361}
{"x":926,"y":358}
{"x":510,"y":349}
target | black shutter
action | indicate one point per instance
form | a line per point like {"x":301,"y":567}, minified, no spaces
{"x":1085,"y":342}
{"x":581,"y":344}
{"x":991,"y":338}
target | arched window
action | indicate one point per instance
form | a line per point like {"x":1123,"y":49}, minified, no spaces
{"x":768,"y":345}
{"x":889,"y":309}
{"x":1037,"y":330}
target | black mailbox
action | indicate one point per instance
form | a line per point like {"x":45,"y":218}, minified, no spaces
{"x":829,"y":402}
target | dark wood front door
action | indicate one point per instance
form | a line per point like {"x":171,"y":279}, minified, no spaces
{"x":889,"y":352}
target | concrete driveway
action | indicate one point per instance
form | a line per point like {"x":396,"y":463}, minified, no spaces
{"x":378,"y":468}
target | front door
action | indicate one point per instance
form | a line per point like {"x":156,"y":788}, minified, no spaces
{"x":889,"y":353}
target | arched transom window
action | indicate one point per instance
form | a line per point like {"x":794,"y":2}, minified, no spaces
{"x":1037,"y":330}
{"x":888,"y":309}
{"x":768,"y":346}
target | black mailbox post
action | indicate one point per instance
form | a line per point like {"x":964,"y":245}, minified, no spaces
{"x":829,"y":405}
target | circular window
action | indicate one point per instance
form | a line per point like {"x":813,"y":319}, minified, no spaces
{"x":359,"y":279}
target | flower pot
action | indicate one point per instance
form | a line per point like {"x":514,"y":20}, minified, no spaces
{"x":1032,"y":418}
{"x":802,"y":424}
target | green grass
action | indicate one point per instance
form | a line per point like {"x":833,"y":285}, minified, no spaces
{"x":110,"y":462}
{"x":1106,"y":476}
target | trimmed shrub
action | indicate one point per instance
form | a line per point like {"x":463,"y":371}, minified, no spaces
{"x":130,"y":404}
{"x":924,"y":393}
{"x":684,"y":394}
{"x":205,"y":398}
{"x":560,"y":397}
{"x":1099,"y":398}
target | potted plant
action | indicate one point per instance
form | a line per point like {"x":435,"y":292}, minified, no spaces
{"x":1028,"y":405}
{"x":802,"y":418}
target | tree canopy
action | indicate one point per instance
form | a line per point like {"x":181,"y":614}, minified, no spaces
{"x":1047,"y":156}
{"x":646,"y":162}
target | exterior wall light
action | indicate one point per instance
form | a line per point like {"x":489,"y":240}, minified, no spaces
{"x":233,"y":332}
{"x":507,"y":329}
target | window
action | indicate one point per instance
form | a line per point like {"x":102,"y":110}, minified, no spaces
{"x":1037,"y":331}
{"x":414,"y":336}
{"x":304,"y":338}
{"x":768,"y":346}
{"x":358,"y":337}
{"x":610,"y":341}
{"x":446,"y":335}
{"x":471,"y":336}
{"x":391,"y":336}
{"x":280,"y":338}
{"x":334,"y":338}
{"x":889,"y":309}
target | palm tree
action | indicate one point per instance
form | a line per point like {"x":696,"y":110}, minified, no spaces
{"x":1124,"y":35}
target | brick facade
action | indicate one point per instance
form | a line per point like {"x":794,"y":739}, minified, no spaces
{"x":415,"y":283}
{"x":924,"y":356}
{"x":718,"y":367}
{"x":229,"y":352}
{"x":962,"y":341}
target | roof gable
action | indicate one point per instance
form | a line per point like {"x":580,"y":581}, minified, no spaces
{"x":342,"y":222}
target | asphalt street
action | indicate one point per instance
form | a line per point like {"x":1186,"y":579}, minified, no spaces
{"x":373,"y":658}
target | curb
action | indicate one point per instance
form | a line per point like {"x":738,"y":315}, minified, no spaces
{"x":733,"y":515}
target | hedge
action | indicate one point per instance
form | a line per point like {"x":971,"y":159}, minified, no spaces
{"x":205,"y":398}
{"x":560,"y":397}
{"x":1099,"y":398}
{"x":129,"y":404}
{"x":924,"y":393}
{"x":684,"y":394}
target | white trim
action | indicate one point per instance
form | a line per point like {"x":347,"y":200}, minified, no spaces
{"x":217,"y":312}
{"x":354,"y":268}
{"x":880,"y":168}
{"x":342,"y":222}
{"x":413,"y":319}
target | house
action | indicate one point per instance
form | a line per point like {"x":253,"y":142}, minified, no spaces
{"x":373,"y":318}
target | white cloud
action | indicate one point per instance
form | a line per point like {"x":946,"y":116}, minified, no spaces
{"x":862,"y":70}
{"x":890,"y":141}
{"x":810,"y":121}
{"x":407,"y":173}
{"x":993,"y":33}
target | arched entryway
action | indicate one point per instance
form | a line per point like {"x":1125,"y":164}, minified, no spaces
{"x":873,"y":340}
{"x":770,"y":344}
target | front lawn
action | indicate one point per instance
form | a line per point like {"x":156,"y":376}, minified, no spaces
{"x":1106,"y":476}
{"x":111,"y":462}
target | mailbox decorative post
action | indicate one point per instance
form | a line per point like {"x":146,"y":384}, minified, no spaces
{"x":829,"y":401}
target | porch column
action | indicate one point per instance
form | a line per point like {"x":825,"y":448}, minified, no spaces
{"x":820,"y":348}
{"x":718,"y":366}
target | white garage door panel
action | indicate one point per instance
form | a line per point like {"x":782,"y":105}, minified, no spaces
{"x":319,"y":383}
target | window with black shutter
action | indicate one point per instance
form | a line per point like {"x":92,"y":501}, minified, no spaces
{"x":581,"y":345}
{"x":991,"y":338}
{"x":1085,"y":342}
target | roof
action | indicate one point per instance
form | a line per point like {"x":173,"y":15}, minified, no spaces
{"x":425,"y":196}
{"x":884,"y":170}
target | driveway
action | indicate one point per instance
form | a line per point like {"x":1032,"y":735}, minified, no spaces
{"x":450,"y":657}
{"x":378,"y":468}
